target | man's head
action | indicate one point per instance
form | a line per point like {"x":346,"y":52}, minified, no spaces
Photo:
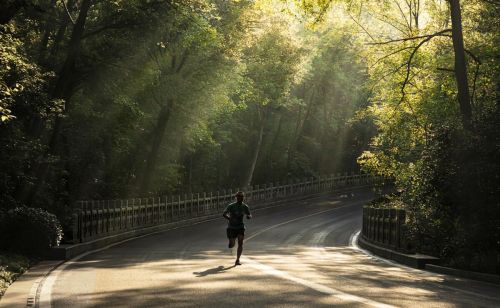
{"x":240,"y":196}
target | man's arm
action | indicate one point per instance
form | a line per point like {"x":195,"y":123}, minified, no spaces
{"x":249,"y":215}
{"x":225,"y":214}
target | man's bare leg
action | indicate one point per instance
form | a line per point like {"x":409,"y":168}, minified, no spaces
{"x":240,"y":249}
{"x":231,"y":242}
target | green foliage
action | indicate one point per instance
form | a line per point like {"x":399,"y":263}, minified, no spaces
{"x":29,"y":231}
{"x":11,"y":267}
{"x":169,"y":97}
{"x":448,"y":176}
{"x":453,"y":194}
{"x":22,"y":82}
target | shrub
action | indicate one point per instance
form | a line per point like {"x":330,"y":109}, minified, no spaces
{"x":11,"y":267}
{"x":29,"y":231}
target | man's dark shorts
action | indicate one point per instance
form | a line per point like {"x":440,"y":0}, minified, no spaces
{"x":233,"y":233}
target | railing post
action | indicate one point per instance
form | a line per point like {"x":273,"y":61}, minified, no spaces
{"x":218,"y":201}
{"x":134,"y":214}
{"x":138,"y":215}
{"x":185,"y":205}
{"x":400,"y":220}
{"x":96,"y":218}
{"x":211,"y":203}
{"x":75,"y":226}
{"x":126,"y":221}
{"x":204,"y":203}
{"x":93,"y":219}
{"x":150,"y":210}
{"x":386,"y":226}
{"x":172,"y":208}
{"x":124,"y":204}
{"x":364,"y":228}
{"x":166,"y":209}
{"x":197,"y":204}
{"x":178,"y":207}
{"x":144,"y":208}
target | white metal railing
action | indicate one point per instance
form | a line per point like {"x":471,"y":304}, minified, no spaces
{"x":99,"y":218}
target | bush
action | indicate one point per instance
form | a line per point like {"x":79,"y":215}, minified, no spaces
{"x":29,"y":231}
{"x":11,"y":267}
{"x":453,"y":197}
{"x":387,"y":201}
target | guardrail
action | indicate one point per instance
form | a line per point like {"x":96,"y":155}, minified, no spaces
{"x":385,"y":227}
{"x":96,"y":219}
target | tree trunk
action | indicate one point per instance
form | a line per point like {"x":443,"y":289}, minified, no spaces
{"x":270,"y":170}
{"x":61,"y":90}
{"x":60,"y":32}
{"x":9,"y":9}
{"x":460,"y":64}
{"x":62,"y":87}
{"x":248,"y":180}
{"x":48,"y":28}
{"x":158,"y":134}
{"x":299,"y":129}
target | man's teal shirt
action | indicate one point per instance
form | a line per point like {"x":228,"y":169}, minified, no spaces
{"x":236,"y":213}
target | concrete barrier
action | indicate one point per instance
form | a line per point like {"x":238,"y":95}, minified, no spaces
{"x":415,"y":260}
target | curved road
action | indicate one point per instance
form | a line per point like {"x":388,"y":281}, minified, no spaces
{"x":297,"y":255}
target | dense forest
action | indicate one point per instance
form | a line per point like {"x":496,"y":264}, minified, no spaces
{"x":112,"y":99}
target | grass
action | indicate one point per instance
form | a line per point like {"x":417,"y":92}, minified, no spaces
{"x":11,"y":267}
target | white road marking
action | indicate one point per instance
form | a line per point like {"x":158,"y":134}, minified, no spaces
{"x":295,"y":219}
{"x":312,"y":285}
{"x":47,"y":284}
{"x":354,"y":244}
{"x":319,"y":237}
{"x":292,"y":240}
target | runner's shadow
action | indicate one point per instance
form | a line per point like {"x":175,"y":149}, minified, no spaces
{"x":216,"y":270}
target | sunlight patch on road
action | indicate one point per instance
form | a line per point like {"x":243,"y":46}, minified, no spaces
{"x":312,"y":285}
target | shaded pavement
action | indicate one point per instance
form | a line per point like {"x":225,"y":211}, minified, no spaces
{"x":297,"y":255}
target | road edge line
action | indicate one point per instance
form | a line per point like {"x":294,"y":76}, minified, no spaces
{"x":43,"y":298}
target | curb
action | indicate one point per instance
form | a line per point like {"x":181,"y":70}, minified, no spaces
{"x":491,"y":278}
{"x":413,"y":260}
{"x":23,"y":292}
{"x":425,"y":262}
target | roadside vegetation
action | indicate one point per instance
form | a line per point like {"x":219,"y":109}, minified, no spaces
{"x":434,"y":99}
{"x":11,"y":267}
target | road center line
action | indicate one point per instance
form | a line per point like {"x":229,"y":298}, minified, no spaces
{"x":312,"y":285}
{"x":298,"y":218}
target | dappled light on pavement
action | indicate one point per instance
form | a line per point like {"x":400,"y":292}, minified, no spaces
{"x":288,"y":261}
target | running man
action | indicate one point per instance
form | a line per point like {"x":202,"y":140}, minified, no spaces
{"x":234,"y":213}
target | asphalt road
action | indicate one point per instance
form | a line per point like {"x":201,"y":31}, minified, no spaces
{"x":297,"y":255}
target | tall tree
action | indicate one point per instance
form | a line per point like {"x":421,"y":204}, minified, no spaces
{"x":271,"y":64}
{"x":460,"y":63}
